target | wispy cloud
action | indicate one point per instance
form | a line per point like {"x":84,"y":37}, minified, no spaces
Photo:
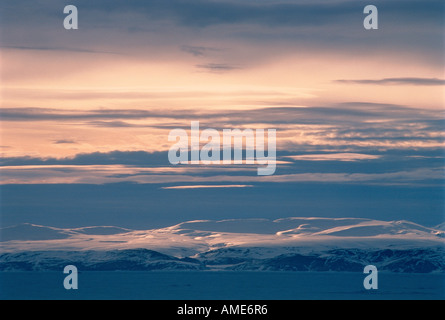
{"x":340,"y":112}
{"x":100,"y":174}
{"x":349,"y":127}
{"x":198,"y":51}
{"x":64,"y":141}
{"x":334,"y":157}
{"x":49,"y":48}
{"x":115,"y":124}
{"x":398,"y":81}
{"x":274,"y":24}
{"x":200,"y":186}
{"x":217,"y":67}
{"x":140,"y":158}
{"x":45,"y":114}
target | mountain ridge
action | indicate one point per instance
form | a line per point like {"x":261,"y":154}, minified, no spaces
{"x":286,"y":244}
{"x":231,"y":259}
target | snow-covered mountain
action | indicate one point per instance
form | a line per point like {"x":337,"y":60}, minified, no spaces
{"x":315,"y":244}
{"x":440,"y":227}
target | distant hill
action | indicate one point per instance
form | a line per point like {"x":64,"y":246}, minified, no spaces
{"x":288,"y":244}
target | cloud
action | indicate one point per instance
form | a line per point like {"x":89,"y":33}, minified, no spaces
{"x":207,"y":13}
{"x":202,"y":13}
{"x":141,"y":158}
{"x":198,"y":51}
{"x":331,"y":113}
{"x":334,"y":157}
{"x":45,"y":114}
{"x":379,"y":167}
{"x":217,"y":67}
{"x":398,"y":81}
{"x":64,"y":141}
{"x":50,"y":48}
{"x":200,"y":186}
{"x":343,"y":127}
{"x":101,"y":174}
{"x":115,"y":124}
{"x":278,"y":27}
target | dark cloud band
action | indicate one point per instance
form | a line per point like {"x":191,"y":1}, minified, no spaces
{"x":398,"y":81}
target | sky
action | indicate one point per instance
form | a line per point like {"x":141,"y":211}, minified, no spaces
{"x":85,"y":114}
